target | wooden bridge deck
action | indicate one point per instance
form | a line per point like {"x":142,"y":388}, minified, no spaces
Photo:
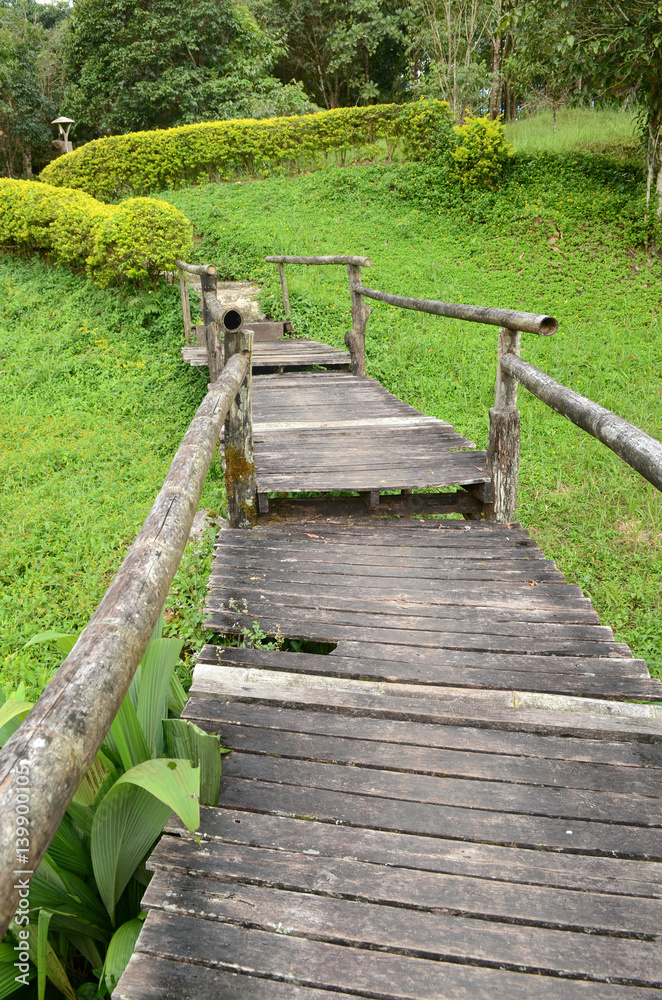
{"x":455,"y":802}
{"x":290,"y":354}
{"x":324,"y":431}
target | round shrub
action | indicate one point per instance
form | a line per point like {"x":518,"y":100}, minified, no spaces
{"x":482,"y":151}
{"x":132,"y":241}
{"x":428,"y":130}
{"x":139,"y":239}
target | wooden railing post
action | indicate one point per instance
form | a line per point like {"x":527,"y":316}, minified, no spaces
{"x":214,"y":349}
{"x":283,"y":288}
{"x":355,"y":338}
{"x":240,"y":481}
{"x":186,"y":304}
{"x":503,"y":449}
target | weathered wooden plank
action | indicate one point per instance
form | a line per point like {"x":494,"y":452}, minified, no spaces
{"x":475,"y":593}
{"x":329,"y":806}
{"x":442,"y":763}
{"x":448,"y":622}
{"x":316,"y":550}
{"x":233,"y":623}
{"x":149,"y":977}
{"x":468,"y":569}
{"x":610,"y":687}
{"x":508,"y":882}
{"x":624,"y":756}
{"x":382,"y":975}
{"x":630,"y":811}
{"x":393,"y":928}
{"x":436,"y":705}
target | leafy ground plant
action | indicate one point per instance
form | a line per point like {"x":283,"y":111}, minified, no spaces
{"x":85,"y":898}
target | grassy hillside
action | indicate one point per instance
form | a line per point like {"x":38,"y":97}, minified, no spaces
{"x":577,"y":129}
{"x":93,"y":405}
{"x":559,"y":242}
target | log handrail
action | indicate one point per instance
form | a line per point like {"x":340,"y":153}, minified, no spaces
{"x":209,"y":269}
{"x":511,"y":319}
{"x":332,"y":259}
{"x":641,"y":451}
{"x":57,"y":742}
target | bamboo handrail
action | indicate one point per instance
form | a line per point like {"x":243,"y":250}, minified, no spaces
{"x":209,"y":269}
{"x":333,"y":259}
{"x":57,"y":742}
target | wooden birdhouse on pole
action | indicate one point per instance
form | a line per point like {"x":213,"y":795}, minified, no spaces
{"x":63,"y":124}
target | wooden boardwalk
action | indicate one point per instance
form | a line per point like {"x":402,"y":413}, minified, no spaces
{"x":459,"y":800}
{"x":293,"y":353}
{"x":327,"y":431}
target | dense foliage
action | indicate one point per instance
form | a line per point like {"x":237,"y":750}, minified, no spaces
{"x":150,"y":161}
{"x":85,"y":897}
{"x":481,"y":153}
{"x":121,"y":67}
{"x":31,"y":60}
{"x":136,"y":240}
{"x":163,"y":63}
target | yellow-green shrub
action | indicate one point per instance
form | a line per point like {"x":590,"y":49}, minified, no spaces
{"x":133,"y":240}
{"x":140,"y":238}
{"x":482,"y":151}
{"x":141,"y":162}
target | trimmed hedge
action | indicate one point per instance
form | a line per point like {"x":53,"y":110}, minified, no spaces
{"x":135,"y":240}
{"x":142,"y":162}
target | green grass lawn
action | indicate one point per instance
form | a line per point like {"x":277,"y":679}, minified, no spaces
{"x":590,"y":512}
{"x":94,"y":401}
{"x":612,"y":132}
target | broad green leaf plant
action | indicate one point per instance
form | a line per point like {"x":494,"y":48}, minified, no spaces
{"x":85,"y":898}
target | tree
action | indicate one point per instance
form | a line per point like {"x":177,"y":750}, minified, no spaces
{"x":607,"y":50}
{"x":162,"y":63}
{"x":346,"y":53}
{"x":24,"y":109}
{"x":447,"y":39}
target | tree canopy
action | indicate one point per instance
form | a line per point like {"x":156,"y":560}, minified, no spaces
{"x":162,"y":63}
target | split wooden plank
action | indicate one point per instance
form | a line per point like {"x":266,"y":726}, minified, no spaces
{"x":150,"y":977}
{"x":484,"y":878}
{"x":385,"y":975}
{"x":394,"y":928}
{"x":593,"y":751}
{"x":295,"y":353}
{"x":323,"y":805}
{"x":630,"y":811}
{"x":352,"y":749}
{"x":493,"y":709}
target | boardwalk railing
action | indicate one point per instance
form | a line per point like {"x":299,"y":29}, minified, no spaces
{"x":354,"y":338}
{"x":634,"y":446}
{"x":641,"y":451}
{"x":58,"y":741}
